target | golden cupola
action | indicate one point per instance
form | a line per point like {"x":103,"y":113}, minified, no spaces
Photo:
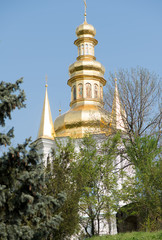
{"x":87,"y":113}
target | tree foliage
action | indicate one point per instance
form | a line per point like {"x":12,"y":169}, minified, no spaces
{"x":11,"y":97}
{"x":25,"y":213}
{"x":95,"y":171}
{"x":86,"y":173}
{"x":61,"y":170}
{"x":140,"y":99}
{"x":144,"y":187}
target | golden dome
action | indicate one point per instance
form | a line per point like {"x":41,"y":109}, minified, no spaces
{"x":81,"y":120}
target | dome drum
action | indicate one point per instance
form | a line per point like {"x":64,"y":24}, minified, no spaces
{"x":86,"y":92}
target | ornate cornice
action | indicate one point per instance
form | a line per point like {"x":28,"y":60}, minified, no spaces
{"x":85,"y":77}
{"x":85,"y":39}
{"x":83,"y":65}
{"x":87,"y":99}
{"x":86,"y":58}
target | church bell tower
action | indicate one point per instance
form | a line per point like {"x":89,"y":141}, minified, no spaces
{"x":87,"y":113}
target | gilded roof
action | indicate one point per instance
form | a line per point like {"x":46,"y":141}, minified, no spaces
{"x":46,"y":129}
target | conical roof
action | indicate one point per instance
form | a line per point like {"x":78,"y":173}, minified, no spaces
{"x":46,"y":129}
{"x":118,"y":113}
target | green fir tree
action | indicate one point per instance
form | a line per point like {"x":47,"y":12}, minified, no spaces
{"x":26,"y":213}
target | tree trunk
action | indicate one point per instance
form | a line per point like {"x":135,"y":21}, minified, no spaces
{"x":93,"y":227}
{"x":98,"y":221}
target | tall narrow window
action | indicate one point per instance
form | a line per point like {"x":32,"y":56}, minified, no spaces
{"x":88,"y":90}
{"x":74,"y":92}
{"x":90,"y":49}
{"x":82,"y":49}
{"x":95,"y":91}
{"x":101,"y":92}
{"x":86,"y":49}
{"x":80,"y":90}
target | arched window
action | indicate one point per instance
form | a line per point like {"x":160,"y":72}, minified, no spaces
{"x":92,"y":49}
{"x":101,"y":92}
{"x":86,"y":49}
{"x":74,"y":92}
{"x":82,"y":49}
{"x":89,"y":48}
{"x":88,"y":90}
{"x":95,"y":91}
{"x":80,"y":90}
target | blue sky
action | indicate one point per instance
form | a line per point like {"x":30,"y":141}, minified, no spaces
{"x":36,"y":38}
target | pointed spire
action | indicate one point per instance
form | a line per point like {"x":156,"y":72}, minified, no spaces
{"x":46,"y":129}
{"x":85,"y":12}
{"x":118,"y":113}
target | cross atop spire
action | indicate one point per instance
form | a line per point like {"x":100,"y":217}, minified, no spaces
{"x":85,"y":12}
{"x":115,"y":77}
{"x":46,"y":78}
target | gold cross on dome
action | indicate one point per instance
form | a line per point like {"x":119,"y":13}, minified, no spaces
{"x":115,"y":76}
{"x":46,"y":78}
{"x":85,"y":13}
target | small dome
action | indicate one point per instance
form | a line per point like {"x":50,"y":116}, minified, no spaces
{"x":85,"y":28}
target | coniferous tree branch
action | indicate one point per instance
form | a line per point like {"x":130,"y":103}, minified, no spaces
{"x":9,"y":101}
